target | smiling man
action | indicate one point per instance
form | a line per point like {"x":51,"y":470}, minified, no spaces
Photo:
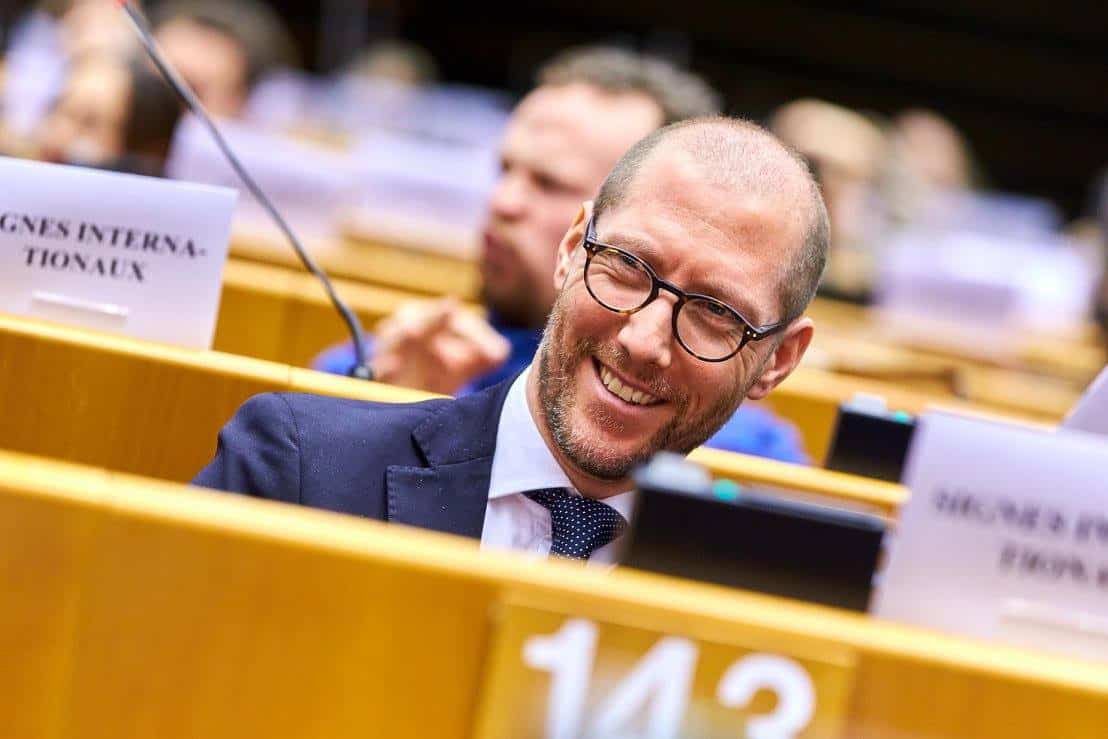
{"x":680,"y":292}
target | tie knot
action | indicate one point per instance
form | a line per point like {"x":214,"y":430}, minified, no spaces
{"x":578,"y":525}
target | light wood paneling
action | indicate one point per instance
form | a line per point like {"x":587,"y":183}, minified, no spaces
{"x":176,"y":612}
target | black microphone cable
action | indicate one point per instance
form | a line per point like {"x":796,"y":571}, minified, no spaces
{"x":361,"y":369}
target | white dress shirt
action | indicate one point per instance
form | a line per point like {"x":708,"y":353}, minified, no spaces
{"x":522,"y":462}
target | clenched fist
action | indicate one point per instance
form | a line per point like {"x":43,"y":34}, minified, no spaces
{"x":437,"y":346}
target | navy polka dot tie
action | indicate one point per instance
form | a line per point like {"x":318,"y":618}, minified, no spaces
{"x":579,"y":525}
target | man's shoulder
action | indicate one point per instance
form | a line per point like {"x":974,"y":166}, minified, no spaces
{"x":338,"y":415}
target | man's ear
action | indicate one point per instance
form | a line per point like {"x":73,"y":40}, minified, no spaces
{"x":785,"y":357}
{"x":571,"y":243}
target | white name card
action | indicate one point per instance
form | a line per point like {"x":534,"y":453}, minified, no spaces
{"x":1091,"y":412}
{"x":133,"y":255}
{"x":1005,"y":536}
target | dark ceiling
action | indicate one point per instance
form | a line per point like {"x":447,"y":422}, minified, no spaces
{"x":1027,"y":81}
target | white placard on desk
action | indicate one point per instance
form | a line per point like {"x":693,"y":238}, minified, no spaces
{"x":133,"y":255}
{"x":1091,"y":412}
{"x":1005,"y":536}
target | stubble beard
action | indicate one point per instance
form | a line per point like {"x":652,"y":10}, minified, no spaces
{"x":558,"y":393}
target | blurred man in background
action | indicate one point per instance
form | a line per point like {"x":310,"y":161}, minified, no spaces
{"x":395,"y":61}
{"x":222,"y":48}
{"x":846,"y":151}
{"x":590,"y":106}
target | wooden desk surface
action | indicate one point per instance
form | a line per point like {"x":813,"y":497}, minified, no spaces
{"x":983,"y":378}
{"x":414,"y":270}
{"x":134,"y":608}
{"x":1076,"y":356}
{"x":431,"y":264}
{"x":999,"y":389}
{"x":282,"y":315}
{"x":155,"y":410}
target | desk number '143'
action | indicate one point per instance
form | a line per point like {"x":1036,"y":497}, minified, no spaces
{"x":659,"y":684}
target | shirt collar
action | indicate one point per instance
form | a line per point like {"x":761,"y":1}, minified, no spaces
{"x":522,"y":461}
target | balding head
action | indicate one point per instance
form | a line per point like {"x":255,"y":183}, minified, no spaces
{"x":643,"y":350}
{"x":743,"y":159}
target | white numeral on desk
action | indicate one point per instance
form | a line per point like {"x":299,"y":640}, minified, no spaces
{"x":660,"y":680}
{"x":796,"y":699}
{"x":568,"y":656}
{"x":660,"y":683}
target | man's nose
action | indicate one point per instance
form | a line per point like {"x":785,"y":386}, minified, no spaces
{"x":509,"y":196}
{"x":647,"y":334}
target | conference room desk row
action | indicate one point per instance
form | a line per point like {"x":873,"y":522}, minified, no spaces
{"x":417,"y":258}
{"x":134,"y":608}
{"x":155,"y":410}
{"x":283,"y":315}
{"x":1075,"y":354}
{"x":388,"y":261}
{"x":870,"y":355}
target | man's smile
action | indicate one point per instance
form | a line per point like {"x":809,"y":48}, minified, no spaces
{"x":624,"y":388}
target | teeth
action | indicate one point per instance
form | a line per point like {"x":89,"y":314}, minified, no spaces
{"x":628,"y":394}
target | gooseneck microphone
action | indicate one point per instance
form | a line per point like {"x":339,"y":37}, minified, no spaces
{"x":180,"y":87}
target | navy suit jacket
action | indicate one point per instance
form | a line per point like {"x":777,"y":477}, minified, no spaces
{"x":423,"y":464}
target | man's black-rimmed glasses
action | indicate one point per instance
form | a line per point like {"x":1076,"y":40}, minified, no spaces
{"x":706,"y":328}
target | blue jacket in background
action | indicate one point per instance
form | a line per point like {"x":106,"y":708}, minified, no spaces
{"x":752,"y":430}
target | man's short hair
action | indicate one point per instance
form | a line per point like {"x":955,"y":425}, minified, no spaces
{"x":679,"y":94}
{"x":802,"y":274}
{"x":265,"y":41}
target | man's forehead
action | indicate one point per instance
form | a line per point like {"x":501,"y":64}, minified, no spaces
{"x":674,"y":179}
{"x":723,"y":232}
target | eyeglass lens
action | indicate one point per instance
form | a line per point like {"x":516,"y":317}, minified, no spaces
{"x":622,"y":283}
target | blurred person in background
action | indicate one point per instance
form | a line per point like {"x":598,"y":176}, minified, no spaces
{"x":1098,"y":230}
{"x":41,"y":48}
{"x":927,"y":155}
{"x":845,"y":151}
{"x":86,"y":123}
{"x":590,"y":106}
{"x":932,"y":149}
{"x":395,"y":61}
{"x":222,"y":48}
{"x":113,"y":113}
{"x":8,"y":143}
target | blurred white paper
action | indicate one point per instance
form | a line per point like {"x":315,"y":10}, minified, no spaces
{"x":1091,"y":412}
{"x":1005,"y":536}
{"x":140,"y":256}
{"x":309,"y":185}
{"x":986,"y":292}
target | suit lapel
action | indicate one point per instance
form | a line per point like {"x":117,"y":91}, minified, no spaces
{"x":451,"y":493}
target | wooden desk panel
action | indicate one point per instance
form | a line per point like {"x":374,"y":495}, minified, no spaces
{"x":363,"y":260}
{"x":176,"y":612}
{"x":284,"y":315}
{"x":277,"y":314}
{"x":438,"y":271}
{"x":156,"y":410}
{"x":131,"y":405}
